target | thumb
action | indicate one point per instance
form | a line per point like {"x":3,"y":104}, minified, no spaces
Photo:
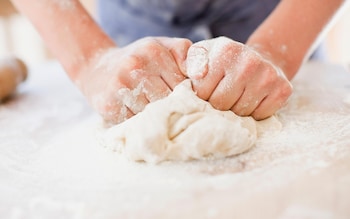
{"x":198,"y":59}
{"x":178,"y":47}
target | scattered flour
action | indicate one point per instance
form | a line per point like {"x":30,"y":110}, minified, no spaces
{"x":133,"y":98}
{"x":52,"y":165}
{"x":347,"y":100}
{"x":65,"y":4}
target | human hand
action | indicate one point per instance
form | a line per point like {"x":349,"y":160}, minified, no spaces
{"x":120,"y":82}
{"x":233,"y":76}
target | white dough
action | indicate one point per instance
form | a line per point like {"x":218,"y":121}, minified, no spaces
{"x":182,"y":127}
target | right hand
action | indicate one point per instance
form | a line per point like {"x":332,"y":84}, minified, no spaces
{"x":233,"y":76}
{"x":120,"y":82}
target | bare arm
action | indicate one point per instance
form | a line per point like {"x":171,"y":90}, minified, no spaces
{"x":67,"y":29}
{"x":118,"y":82}
{"x":254,"y":78}
{"x":290,"y":33}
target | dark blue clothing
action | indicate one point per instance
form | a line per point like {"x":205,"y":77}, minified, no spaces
{"x":128,"y":20}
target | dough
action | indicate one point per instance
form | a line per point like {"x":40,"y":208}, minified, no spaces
{"x":182,"y":127}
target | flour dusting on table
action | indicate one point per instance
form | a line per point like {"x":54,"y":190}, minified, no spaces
{"x":52,"y":164}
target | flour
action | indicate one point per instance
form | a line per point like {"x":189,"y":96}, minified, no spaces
{"x":182,"y":126}
{"x":52,"y":164}
{"x":347,"y":100}
{"x":65,"y":4}
{"x":133,"y":98}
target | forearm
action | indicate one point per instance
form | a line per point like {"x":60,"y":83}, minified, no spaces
{"x":290,"y":32}
{"x":67,"y":29}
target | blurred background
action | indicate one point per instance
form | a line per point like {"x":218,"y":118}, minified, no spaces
{"x":19,"y":38}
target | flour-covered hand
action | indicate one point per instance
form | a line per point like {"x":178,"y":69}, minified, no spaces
{"x":120,"y":82}
{"x":233,"y":76}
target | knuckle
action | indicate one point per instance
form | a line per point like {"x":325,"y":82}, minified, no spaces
{"x":286,"y":90}
{"x":133,"y":62}
{"x":222,"y":41}
{"x":239,"y":109}
{"x":185,"y":42}
{"x":260,"y":116}
{"x":243,"y":75}
{"x":180,"y":46}
{"x":269,"y":81}
{"x":218,"y":104}
{"x":232,"y":49}
{"x":269,"y":78}
{"x":249,"y":70}
{"x":223,"y":38}
{"x":147,"y":46}
{"x":152,"y":47}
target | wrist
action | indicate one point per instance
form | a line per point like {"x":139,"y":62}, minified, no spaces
{"x":85,"y":58}
{"x":279,"y":56}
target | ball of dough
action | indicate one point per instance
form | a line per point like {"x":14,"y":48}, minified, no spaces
{"x":182,"y":127}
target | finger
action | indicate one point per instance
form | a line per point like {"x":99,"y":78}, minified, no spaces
{"x":227,"y":93}
{"x":115,"y":112}
{"x":155,"y":88}
{"x":172,"y":77}
{"x":123,"y":115}
{"x":239,"y":80}
{"x":266,"y":108}
{"x":178,"y":47}
{"x":273,"y":102}
{"x":248,"y":102}
{"x":203,"y":73}
{"x":256,"y":89}
{"x":131,"y":93}
{"x":147,"y":87}
{"x":157,"y":60}
{"x":218,"y":58}
{"x":198,"y":60}
{"x":133,"y":99}
{"x":169,"y":71}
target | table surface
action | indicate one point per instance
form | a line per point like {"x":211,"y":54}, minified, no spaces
{"x":53,"y":165}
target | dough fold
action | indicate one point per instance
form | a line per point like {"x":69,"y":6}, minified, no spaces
{"x":182,"y":127}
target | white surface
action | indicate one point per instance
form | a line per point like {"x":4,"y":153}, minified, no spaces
{"x":52,"y":165}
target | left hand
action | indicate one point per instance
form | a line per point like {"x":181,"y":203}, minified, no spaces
{"x":120,"y":82}
{"x":233,"y":76}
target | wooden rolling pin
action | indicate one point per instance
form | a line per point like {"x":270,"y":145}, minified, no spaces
{"x":12,"y":72}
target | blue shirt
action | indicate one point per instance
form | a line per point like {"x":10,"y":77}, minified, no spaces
{"x":128,"y":20}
